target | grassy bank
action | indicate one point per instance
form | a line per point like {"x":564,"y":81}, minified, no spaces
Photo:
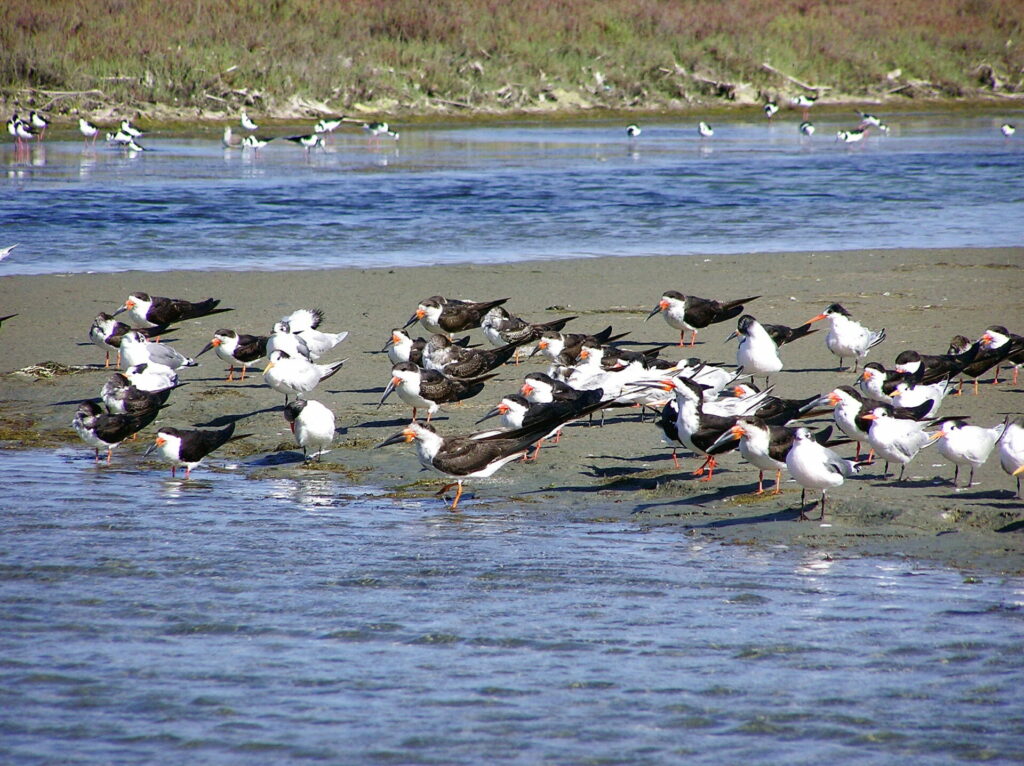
{"x":295,"y":57}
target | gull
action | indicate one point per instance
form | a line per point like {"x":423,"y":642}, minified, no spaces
{"x":964,"y":444}
{"x":896,"y":440}
{"x":313,"y":426}
{"x":815,"y":466}
{"x":1011,"y":449}
{"x":137,"y":349}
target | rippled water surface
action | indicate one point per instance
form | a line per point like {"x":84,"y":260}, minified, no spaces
{"x":225,"y":620}
{"x":525,"y":190}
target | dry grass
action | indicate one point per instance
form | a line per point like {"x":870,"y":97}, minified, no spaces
{"x":415,"y":54}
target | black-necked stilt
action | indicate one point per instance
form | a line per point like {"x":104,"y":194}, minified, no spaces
{"x":633,"y":130}
{"x":379,"y":128}
{"x":247,"y":123}
{"x":87,"y":129}
{"x":705,"y":130}
{"x":805,"y":102}
{"x":1007,"y":129}
{"x":771,"y":108}
{"x":806,"y":128}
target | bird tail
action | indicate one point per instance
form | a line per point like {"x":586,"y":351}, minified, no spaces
{"x":876,"y":338}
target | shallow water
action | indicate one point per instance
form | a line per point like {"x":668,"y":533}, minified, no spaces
{"x":527,"y":190}
{"x":225,"y":620}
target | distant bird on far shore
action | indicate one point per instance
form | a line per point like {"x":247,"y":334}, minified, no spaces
{"x":633,"y":130}
{"x":380,"y":129}
{"x":1007,"y":129}
{"x":705,"y":130}
{"x":87,"y":129}
{"x":805,"y":102}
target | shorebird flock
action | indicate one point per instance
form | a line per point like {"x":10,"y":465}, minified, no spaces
{"x":127,"y":136}
{"x":704,"y":408}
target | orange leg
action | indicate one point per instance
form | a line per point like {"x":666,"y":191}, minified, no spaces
{"x":778,"y":482}
{"x":760,"y":483}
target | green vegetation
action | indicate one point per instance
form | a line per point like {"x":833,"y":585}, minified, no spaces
{"x":290,"y":57}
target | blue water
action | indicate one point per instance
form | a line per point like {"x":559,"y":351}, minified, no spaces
{"x":230,"y":620}
{"x":224,"y":620}
{"x":445,"y":194}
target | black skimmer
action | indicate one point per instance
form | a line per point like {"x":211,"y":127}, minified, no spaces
{"x":758,"y":350}
{"x":806,"y":128}
{"x":470,"y":456}
{"x":704,"y":130}
{"x":87,"y":129}
{"x":501,"y":327}
{"x":1011,"y":449}
{"x":120,"y":397}
{"x":402,"y":347}
{"x":778,"y":411}
{"x":539,"y":387}
{"x":104,"y":431}
{"x":964,"y":444}
{"x":313,"y":426}
{"x":928,"y":368}
{"x":633,"y":130}
{"x":137,"y":349}
{"x":517,"y":411}
{"x":187,"y":448}
{"x":107,"y":333}
{"x":765,"y":446}
{"x":5,"y":318}
{"x":805,"y":103}
{"x":296,"y":375}
{"x":695,"y":429}
{"x":448,"y":315}
{"x":983,"y":354}
{"x":145,"y":310}
{"x":429,"y":389}
{"x":846,"y":337}
{"x":1007,"y":345}
{"x":237,"y":348}
{"x":462,"y":362}
{"x":688,"y":312}
{"x":377,"y":129}
{"x":895,"y":440}
{"x":1007,"y":129}
{"x":246,"y":122}
{"x":771,"y":108}
{"x":554,"y":344}
{"x":815,"y":466}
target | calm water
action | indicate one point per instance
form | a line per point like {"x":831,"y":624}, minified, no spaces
{"x":448,"y":195}
{"x":233,"y":621}
{"x":228,"y":620}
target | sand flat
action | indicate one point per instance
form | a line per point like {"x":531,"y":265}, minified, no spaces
{"x":921,"y":297}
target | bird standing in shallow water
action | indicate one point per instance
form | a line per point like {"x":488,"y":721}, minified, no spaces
{"x":182,"y":447}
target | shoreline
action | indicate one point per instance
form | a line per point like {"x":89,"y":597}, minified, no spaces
{"x":620,"y":470}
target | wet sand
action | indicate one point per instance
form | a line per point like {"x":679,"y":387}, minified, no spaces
{"x":620,"y":470}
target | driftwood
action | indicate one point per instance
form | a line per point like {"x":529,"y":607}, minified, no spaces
{"x":795,"y":81}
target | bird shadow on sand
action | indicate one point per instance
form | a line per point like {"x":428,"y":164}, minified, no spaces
{"x":224,"y":420}
{"x":396,"y":423}
{"x":285,"y":457}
